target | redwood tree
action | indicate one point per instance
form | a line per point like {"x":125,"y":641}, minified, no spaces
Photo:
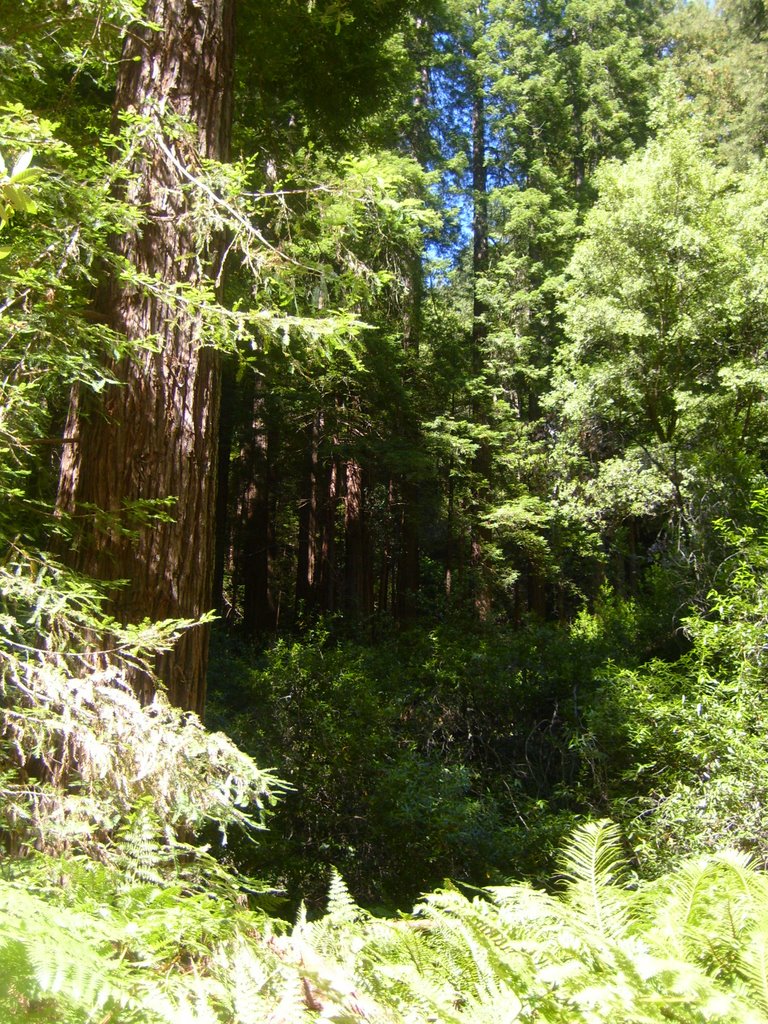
{"x":153,"y":437}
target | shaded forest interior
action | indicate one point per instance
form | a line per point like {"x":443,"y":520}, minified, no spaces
{"x":425,"y":344}
{"x":437,"y":542}
{"x":383,"y":511}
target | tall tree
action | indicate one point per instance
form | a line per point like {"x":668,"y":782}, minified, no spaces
{"x":662,"y":383}
{"x":150,"y":444}
{"x":538,"y":95}
{"x":720,"y":57}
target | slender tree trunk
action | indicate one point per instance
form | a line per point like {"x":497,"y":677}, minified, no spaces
{"x":408,"y":575}
{"x":577,"y":108}
{"x":154,"y":437}
{"x":307,"y":559}
{"x":387,"y":570}
{"x":450,"y":543}
{"x":223,"y":542}
{"x":537,"y":593}
{"x":327,"y":583}
{"x":479,"y":225}
{"x":358,"y":576}
{"x":408,"y":488}
{"x":257,"y":538}
{"x":480,"y":582}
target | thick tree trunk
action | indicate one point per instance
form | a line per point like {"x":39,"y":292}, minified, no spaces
{"x":154,"y":437}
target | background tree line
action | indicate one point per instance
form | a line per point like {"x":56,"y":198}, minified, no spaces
{"x":518,"y":424}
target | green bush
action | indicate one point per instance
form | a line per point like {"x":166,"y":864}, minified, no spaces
{"x":444,"y":752}
{"x":679,"y":752}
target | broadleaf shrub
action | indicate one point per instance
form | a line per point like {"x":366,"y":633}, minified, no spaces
{"x":680,"y":748}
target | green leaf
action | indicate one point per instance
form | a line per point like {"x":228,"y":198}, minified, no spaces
{"x":26,"y":176}
{"x":22,"y":163}
{"x":18,"y":200}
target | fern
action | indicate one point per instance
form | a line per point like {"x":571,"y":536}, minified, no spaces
{"x":47,"y":951}
{"x":595,"y":871}
{"x":138,"y":853}
{"x":753,"y":962}
{"x":598,"y":952}
{"x":341,"y":906}
{"x":700,"y":911}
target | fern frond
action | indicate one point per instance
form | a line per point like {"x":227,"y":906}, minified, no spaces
{"x":593,"y":855}
{"x":139,"y":853}
{"x":753,"y":963}
{"x":291,"y":1007}
{"x":414,"y":997}
{"x":341,"y":906}
{"x":461,"y":958}
{"x":595,"y":869}
{"x":52,"y":958}
{"x":249,"y":979}
{"x":700,"y":910}
{"x":476,"y":928}
{"x":742,"y":866}
{"x":531,"y":914}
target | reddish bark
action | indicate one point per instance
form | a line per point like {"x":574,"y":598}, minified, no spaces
{"x":357,"y":564}
{"x":307,"y":562}
{"x":155,"y":436}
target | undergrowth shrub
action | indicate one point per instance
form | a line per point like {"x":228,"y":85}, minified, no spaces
{"x":112,"y":908}
{"x":445,"y":752}
{"x":377,"y":788}
{"x":679,"y":752}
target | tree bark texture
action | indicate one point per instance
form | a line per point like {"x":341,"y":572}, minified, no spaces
{"x":327,"y":582}
{"x":407,"y":585}
{"x":223,"y":540}
{"x":155,"y":435}
{"x":307,"y":563}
